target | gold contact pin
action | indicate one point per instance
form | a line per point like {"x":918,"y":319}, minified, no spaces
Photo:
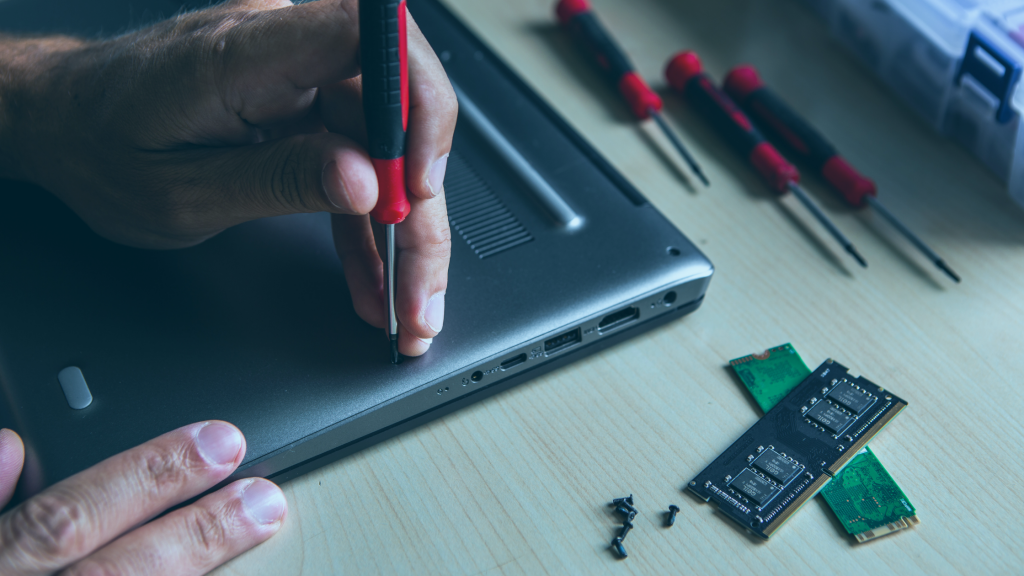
{"x":901,"y":524}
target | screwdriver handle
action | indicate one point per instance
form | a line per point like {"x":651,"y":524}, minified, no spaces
{"x":583,"y":25}
{"x":783,"y":123}
{"x":685,"y":74}
{"x":382,"y":37}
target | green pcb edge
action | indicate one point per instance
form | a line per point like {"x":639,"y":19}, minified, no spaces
{"x":863,"y":496}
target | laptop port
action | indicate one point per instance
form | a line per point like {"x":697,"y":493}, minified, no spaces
{"x":561,"y":342}
{"x":618,"y":319}
{"x":513,"y":362}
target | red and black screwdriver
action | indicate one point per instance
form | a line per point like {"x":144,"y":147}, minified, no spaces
{"x":685,"y":74}
{"x":382,"y":33}
{"x":644,"y":103}
{"x":783,"y":123}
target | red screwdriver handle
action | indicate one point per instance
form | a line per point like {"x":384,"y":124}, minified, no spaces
{"x":382,"y":30}
{"x":579,"y":19}
{"x":785,"y":125}
{"x":685,"y":74}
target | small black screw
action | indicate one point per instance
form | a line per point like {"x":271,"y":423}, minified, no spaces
{"x":623,"y":509}
{"x":619,"y":549}
{"x":627,"y":500}
{"x":625,"y":530}
{"x":672,"y":511}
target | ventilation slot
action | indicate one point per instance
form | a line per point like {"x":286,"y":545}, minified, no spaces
{"x":476,"y":214}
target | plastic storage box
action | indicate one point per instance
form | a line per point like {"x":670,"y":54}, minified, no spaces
{"x":956,"y":62}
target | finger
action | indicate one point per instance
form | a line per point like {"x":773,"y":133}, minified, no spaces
{"x":277,"y":58}
{"x":300,"y":174}
{"x":433,"y":110}
{"x":341,"y":109}
{"x":12,"y":458}
{"x":424,"y":250}
{"x":73,"y":518}
{"x":253,"y":4}
{"x":195,"y":539}
{"x":364,"y":271}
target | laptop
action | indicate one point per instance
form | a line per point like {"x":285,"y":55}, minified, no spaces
{"x":555,"y":256}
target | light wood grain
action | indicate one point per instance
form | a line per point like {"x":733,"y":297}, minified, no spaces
{"x":518,"y":484}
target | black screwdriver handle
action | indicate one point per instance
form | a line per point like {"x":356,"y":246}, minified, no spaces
{"x":578,"y":17}
{"x":784,"y":124}
{"x":686,"y":76}
{"x":382,"y":30}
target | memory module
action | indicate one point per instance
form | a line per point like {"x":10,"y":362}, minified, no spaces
{"x":863,"y":496}
{"x":791,"y":453}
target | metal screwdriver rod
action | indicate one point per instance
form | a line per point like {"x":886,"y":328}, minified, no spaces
{"x":678,"y":144}
{"x":898,"y":225}
{"x":389,"y":233}
{"x":826,"y":222}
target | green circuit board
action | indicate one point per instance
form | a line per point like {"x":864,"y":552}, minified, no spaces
{"x":863,"y":496}
{"x":867,"y":500}
{"x":770,"y":375}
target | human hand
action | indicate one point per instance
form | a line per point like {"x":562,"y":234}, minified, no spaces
{"x":164,"y":137}
{"x":98,"y":521}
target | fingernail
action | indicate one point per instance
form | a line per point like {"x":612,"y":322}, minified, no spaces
{"x":433,"y":314}
{"x":333,"y":188}
{"x":219,"y":443}
{"x":264,"y":502}
{"x":435,"y":179}
{"x":427,"y":341}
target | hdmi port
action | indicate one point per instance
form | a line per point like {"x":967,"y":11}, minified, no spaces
{"x":512,"y":362}
{"x":559,"y":343}
{"x":618,"y":319}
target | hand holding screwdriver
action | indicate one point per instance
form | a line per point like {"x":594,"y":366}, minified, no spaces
{"x":402,"y":117}
{"x":746,"y":87}
{"x":644,"y":103}
{"x":686,"y":76}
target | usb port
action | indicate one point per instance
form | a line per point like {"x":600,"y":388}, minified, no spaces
{"x":618,"y":319}
{"x":513,"y":362}
{"x":559,"y":343}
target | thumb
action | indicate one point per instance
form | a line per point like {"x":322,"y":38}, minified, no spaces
{"x":306,"y":173}
{"x":12,"y":458}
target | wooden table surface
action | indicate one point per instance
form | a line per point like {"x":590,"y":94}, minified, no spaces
{"x":518,"y":484}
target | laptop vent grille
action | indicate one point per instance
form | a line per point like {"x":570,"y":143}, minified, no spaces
{"x":476,"y":213}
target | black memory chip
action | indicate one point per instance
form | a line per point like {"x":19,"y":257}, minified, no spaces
{"x":755,"y":488}
{"x":776,"y":466}
{"x":830,"y":417}
{"x":850,"y":397}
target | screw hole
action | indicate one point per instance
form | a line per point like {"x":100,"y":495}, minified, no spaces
{"x":670,"y":298}
{"x":477,"y":376}
{"x":673,"y":251}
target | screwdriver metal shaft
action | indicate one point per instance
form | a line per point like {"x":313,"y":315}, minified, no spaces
{"x":389,"y":240}
{"x":678,"y":144}
{"x":813,"y":208}
{"x":898,"y":225}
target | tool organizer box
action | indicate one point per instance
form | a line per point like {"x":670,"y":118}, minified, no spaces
{"x":956,"y":62}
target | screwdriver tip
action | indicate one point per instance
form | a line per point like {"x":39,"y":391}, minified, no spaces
{"x":856,"y":255}
{"x":394,"y":351}
{"x":949,"y":272}
{"x":702,"y":177}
